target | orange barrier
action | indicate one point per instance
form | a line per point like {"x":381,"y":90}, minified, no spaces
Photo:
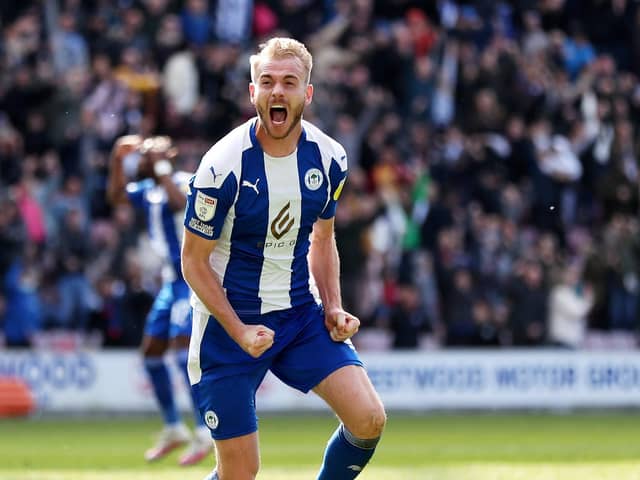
{"x":16,"y":399}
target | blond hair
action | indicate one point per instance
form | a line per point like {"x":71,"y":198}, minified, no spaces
{"x":278,"y":48}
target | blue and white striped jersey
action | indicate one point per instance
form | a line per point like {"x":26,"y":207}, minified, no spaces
{"x":164,"y":226}
{"x":261,"y":210}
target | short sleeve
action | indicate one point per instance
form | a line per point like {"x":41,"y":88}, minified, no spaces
{"x":208,"y":205}
{"x":337,"y":178}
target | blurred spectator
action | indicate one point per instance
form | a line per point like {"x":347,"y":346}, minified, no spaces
{"x":180,"y":81}
{"x":458,"y":309}
{"x":408,"y":320}
{"x":196,"y":22}
{"x":75,"y":292}
{"x":22,"y":309}
{"x":64,"y":115}
{"x":623,"y":249}
{"x":155,"y":13}
{"x":570,"y":301}
{"x":233,"y":20}
{"x":68,"y":46}
{"x":12,"y":232}
{"x":534,"y":39}
{"x":578,"y":52}
{"x":104,"y":107}
{"x":352,"y":221}
{"x":31,"y":213}
{"x":528,"y":299}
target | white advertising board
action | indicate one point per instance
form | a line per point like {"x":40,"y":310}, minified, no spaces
{"x":481,"y":379}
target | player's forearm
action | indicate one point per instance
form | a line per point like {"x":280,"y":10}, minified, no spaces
{"x":324,"y":263}
{"x":116,"y":181}
{"x":205,"y":284}
{"x":176,"y":198}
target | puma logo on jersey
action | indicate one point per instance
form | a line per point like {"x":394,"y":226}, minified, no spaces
{"x":215,"y":175}
{"x":342,"y":162}
{"x":247,"y":183}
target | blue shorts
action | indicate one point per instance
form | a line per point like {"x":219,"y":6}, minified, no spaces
{"x":169,"y":316}
{"x":302,"y":355}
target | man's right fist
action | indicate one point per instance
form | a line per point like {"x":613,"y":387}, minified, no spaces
{"x":256,"y":339}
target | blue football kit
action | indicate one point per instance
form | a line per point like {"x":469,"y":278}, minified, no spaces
{"x":169,"y":315}
{"x":261,"y":212}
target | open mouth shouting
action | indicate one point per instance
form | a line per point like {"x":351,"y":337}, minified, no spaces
{"x":278,"y":114}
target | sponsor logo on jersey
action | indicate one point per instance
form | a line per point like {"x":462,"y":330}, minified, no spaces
{"x":282,"y":244}
{"x":282,"y":223}
{"x":313,"y":179}
{"x":201,"y":227}
{"x":205,"y":206}
{"x":211,"y":419}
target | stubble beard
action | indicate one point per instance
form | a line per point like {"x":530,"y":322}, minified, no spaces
{"x":265,"y":119}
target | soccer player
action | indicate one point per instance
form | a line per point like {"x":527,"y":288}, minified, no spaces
{"x":259,"y":241}
{"x":161,"y":194}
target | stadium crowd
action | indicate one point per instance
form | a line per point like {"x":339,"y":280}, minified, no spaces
{"x":493,"y":189}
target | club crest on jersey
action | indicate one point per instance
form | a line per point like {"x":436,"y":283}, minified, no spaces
{"x":205,"y":206}
{"x":313,"y":179}
{"x":211,"y":419}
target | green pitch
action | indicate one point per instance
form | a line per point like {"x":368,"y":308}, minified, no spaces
{"x":446,"y":446}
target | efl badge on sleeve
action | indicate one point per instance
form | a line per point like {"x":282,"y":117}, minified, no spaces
{"x":205,"y":206}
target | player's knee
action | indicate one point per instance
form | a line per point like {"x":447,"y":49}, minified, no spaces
{"x":378,"y":421}
{"x":372,"y":423}
{"x":252,"y":469}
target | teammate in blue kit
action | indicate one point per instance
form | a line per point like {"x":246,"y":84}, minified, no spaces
{"x":260,"y":255}
{"x":161,"y":194}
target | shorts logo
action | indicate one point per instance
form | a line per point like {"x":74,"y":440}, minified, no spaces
{"x":205,"y":206}
{"x":282,"y":223}
{"x":211,"y":419}
{"x":313,"y":179}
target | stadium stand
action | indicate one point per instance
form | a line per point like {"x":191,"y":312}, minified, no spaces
{"x":493,"y":194}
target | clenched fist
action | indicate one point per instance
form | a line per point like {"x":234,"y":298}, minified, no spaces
{"x":128,"y":143}
{"x":341,"y":325}
{"x":256,"y":339}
